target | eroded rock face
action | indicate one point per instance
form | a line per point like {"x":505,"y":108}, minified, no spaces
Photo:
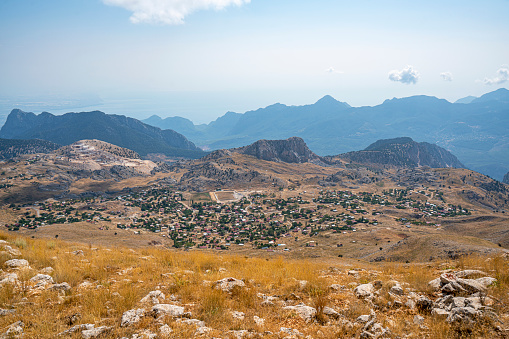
{"x":291,"y":150}
{"x":452,"y":283}
{"x":464,"y":299}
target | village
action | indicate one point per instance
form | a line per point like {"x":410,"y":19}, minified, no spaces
{"x":268,"y":221}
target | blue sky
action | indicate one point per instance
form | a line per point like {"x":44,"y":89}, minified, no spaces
{"x":138,"y":58}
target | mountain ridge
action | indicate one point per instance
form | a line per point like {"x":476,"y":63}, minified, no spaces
{"x":404,"y":152}
{"x":477,"y":133}
{"x":116,"y":129}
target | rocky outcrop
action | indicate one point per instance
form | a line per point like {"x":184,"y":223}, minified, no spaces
{"x":291,"y":150}
{"x":404,"y":152}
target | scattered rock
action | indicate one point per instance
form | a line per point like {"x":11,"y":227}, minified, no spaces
{"x":42,"y":279}
{"x":47,"y":270}
{"x":165,"y":330}
{"x":94,"y":332}
{"x":155,"y":297}
{"x":12,"y":251}
{"x":72,"y":319}
{"x":77,"y":328}
{"x":418,"y":319}
{"x":132,"y":316}
{"x":424,"y":304}
{"x":363,"y":318}
{"x":259,"y":321}
{"x":364,"y":291}
{"x":60,"y":287}
{"x":85,"y":285}
{"x":4,"y":312}
{"x":397,"y":290}
{"x":238,"y":315}
{"x":290,"y":331}
{"x":228,"y":284}
{"x":17,"y":263}
{"x":331,"y":312}
{"x":305,"y":312}
{"x":336,"y":287}
{"x":167,"y":309}
{"x":9,"y":278}
{"x":14,"y":330}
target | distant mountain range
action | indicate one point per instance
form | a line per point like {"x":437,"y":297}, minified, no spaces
{"x":476,"y":130}
{"x":115,"y":129}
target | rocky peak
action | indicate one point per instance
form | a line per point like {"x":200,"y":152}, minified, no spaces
{"x":291,"y":150}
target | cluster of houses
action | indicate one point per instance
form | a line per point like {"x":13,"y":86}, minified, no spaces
{"x":258,"y":220}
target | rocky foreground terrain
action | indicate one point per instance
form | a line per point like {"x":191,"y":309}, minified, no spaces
{"x":51,"y":288}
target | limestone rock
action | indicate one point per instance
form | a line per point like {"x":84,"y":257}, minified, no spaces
{"x":305,"y":312}
{"x":4,"y":312}
{"x":364,"y":290}
{"x":155,"y":297}
{"x":228,"y":284}
{"x":9,"y":278}
{"x":238,"y":315}
{"x":60,"y":287}
{"x":94,"y":332}
{"x":258,"y":321}
{"x":167,"y":309}
{"x":17,"y":263}
{"x":42,"y":279}
{"x":14,"y":330}
{"x":165,"y":330}
{"x":132,"y":316}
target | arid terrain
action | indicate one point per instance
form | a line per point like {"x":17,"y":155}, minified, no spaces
{"x":233,"y":246}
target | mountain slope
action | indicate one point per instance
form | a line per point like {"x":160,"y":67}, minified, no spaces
{"x":10,"y":148}
{"x":291,"y":150}
{"x":404,"y":152}
{"x":116,"y":129}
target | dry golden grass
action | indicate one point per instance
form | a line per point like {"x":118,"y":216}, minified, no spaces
{"x":121,"y":277}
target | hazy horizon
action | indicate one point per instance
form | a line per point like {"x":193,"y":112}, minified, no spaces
{"x":199,"y":59}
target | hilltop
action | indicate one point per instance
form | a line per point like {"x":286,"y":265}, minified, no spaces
{"x":291,"y":150}
{"x":404,"y":152}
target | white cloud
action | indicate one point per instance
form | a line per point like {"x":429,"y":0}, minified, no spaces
{"x":407,"y":75}
{"x":502,"y":76}
{"x":169,"y":12}
{"x":332,"y":70}
{"x":446,"y":76}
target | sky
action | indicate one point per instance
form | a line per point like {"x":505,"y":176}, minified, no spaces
{"x":201,"y":58}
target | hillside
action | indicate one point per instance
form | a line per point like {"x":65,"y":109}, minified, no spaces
{"x":116,"y":129}
{"x":476,"y":132}
{"x":116,"y":292}
{"x":11,"y":148}
{"x":404,"y":152}
{"x":506,"y":178}
{"x":291,"y":150}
